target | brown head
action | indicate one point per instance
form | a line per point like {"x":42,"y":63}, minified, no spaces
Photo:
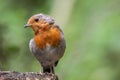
{"x":45,"y":29}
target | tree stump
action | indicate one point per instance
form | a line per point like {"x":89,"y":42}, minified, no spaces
{"x":8,"y":75}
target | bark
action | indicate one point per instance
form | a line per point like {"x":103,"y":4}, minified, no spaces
{"x":8,"y":75}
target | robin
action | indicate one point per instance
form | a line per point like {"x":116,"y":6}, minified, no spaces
{"x":48,"y":44}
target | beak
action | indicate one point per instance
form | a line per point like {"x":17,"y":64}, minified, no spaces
{"x":27,"y":25}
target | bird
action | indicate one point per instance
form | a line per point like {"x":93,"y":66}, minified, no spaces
{"x":48,"y":44}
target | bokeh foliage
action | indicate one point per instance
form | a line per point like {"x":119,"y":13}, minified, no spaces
{"x":91,"y":29}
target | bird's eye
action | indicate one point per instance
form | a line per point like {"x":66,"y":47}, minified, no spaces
{"x":36,"y":20}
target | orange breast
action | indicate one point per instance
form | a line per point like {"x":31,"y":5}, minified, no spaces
{"x":51,"y":37}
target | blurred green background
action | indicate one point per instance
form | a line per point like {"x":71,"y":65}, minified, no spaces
{"x":92,"y":32}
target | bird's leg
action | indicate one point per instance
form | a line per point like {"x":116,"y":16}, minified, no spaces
{"x":52,"y":69}
{"x":46,"y":70}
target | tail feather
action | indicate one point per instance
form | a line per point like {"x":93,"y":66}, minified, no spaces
{"x":56,"y":63}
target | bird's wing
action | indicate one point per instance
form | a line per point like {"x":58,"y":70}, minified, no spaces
{"x":36,"y":51}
